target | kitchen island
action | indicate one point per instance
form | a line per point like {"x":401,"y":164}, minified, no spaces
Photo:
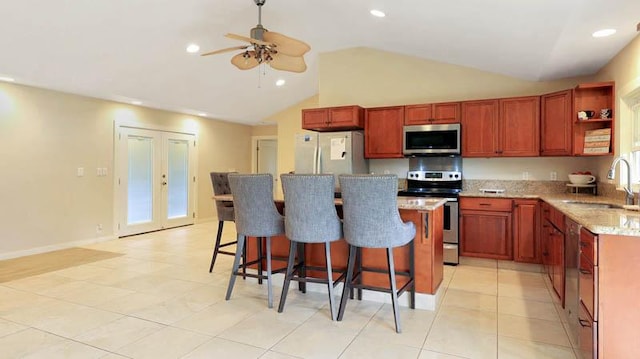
{"x":425,"y":213}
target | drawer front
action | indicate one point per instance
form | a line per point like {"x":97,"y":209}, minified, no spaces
{"x":588,"y":279}
{"x":588,"y":245}
{"x":587,"y":335}
{"x":486,"y":204}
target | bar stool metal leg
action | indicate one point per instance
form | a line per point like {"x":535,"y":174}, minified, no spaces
{"x":332,"y":304}
{"x":236,"y":264}
{"x":269,"y":274}
{"x":216,"y":248}
{"x":394,"y":291}
{"x":347,"y":282}
{"x":288,"y":275}
{"x":260,"y":256}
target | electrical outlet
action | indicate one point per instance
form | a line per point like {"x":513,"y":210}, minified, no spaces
{"x":99,"y":228}
{"x":553,"y":176}
{"x":525,"y":175}
{"x":80,"y":172}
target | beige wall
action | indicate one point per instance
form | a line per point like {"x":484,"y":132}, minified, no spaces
{"x":47,"y":135}
{"x":370,"y":78}
{"x":264,"y":130}
{"x":624,"y":69}
{"x":289,"y":123}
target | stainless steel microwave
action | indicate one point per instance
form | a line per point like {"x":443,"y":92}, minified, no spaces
{"x":431,"y":139}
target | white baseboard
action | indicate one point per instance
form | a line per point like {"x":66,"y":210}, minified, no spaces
{"x":423,"y":301}
{"x":55,"y":247}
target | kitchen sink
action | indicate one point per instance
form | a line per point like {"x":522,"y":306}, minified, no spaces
{"x":593,"y":205}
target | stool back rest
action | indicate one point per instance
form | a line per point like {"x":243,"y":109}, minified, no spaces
{"x":255,"y":211}
{"x":220,"y":183}
{"x":310,"y":212}
{"x":370,"y":212}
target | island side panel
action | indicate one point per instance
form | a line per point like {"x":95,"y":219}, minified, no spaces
{"x":618,"y":295}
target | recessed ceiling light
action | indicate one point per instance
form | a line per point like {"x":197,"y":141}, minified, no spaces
{"x":193,"y":48}
{"x":136,"y":102}
{"x":604,"y":33}
{"x":6,"y":79}
{"x":202,"y":114}
{"x":377,"y":13}
{"x":280,"y":82}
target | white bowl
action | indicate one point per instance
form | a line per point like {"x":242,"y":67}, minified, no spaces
{"x":582,"y":179}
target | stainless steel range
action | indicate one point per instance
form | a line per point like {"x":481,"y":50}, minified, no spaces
{"x":439,"y":176}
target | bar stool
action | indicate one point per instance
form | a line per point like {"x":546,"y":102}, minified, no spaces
{"x":255,"y":216}
{"x":311,"y":217}
{"x":224,"y":210}
{"x":371,"y":220}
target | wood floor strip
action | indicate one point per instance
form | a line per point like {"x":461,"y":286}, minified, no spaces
{"x":18,"y":268}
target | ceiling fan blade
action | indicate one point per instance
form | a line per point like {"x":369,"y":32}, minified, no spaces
{"x":247,"y":39}
{"x":225,"y":50}
{"x":286,"y":45}
{"x":243,"y":63}
{"x":288,"y":63}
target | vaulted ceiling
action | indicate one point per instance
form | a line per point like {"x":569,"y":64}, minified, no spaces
{"x":127,"y":50}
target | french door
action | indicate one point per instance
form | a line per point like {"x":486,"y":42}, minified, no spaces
{"x":155,"y":183}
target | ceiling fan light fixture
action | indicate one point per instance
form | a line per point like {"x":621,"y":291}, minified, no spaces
{"x":280,"y":82}
{"x":377,"y":13}
{"x":193,"y":48}
{"x":603,"y":33}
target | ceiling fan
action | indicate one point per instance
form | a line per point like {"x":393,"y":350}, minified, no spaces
{"x":278,"y":51}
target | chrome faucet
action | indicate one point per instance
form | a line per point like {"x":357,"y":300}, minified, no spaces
{"x":612,"y":175}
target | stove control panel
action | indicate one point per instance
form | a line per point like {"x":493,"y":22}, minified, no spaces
{"x":434,"y":176}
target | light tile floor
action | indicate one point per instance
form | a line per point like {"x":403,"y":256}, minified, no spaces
{"x":159,"y":301}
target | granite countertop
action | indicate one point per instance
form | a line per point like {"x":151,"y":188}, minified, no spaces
{"x":616,"y":221}
{"x":415,"y":203}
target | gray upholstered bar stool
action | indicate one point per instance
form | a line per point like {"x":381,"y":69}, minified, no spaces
{"x":255,"y":216}
{"x":311,"y":217}
{"x":224,"y":210}
{"x":371,"y":220}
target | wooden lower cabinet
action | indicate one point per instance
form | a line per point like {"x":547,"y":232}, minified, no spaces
{"x":526,"y":233}
{"x":485,"y":233}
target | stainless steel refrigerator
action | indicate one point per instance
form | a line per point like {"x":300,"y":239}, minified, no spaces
{"x":331,"y":152}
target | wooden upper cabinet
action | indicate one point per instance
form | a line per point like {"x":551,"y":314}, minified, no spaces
{"x":437,"y":113}
{"x":556,"y":123}
{"x":480,"y":128}
{"x":519,"y":126}
{"x":383,"y":132}
{"x":344,"y":118}
{"x":501,"y":127}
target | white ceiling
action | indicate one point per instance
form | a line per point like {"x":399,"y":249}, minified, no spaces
{"x":135,"y":49}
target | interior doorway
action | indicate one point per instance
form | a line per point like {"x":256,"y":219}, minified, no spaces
{"x":265,"y":157}
{"x":155,"y":180}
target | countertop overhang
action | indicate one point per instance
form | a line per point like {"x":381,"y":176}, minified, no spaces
{"x":408,"y":203}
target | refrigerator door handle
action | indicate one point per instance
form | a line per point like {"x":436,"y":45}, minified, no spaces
{"x":319,"y":160}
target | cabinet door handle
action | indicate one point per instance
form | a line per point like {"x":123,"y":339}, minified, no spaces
{"x":584,"y":323}
{"x":485,"y":204}
{"x":585,"y":272}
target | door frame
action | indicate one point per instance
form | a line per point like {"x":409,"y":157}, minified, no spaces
{"x":117,"y":124}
